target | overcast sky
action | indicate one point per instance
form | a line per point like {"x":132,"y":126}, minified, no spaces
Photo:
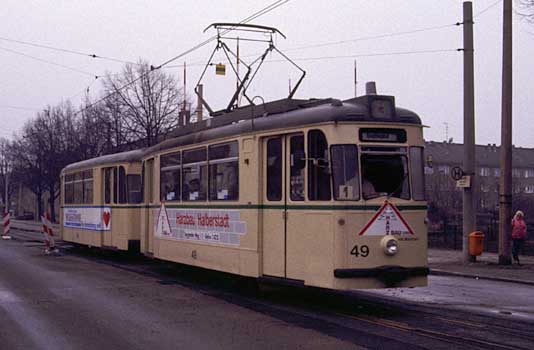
{"x":429,"y":83}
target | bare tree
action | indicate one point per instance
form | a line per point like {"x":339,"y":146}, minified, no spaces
{"x":6,"y":169}
{"x":144,"y":104}
{"x":526,"y":9}
{"x":48,"y":143}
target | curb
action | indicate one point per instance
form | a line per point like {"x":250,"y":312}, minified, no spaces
{"x":438,"y":272}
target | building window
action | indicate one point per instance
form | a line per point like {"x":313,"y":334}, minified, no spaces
{"x":529,"y":189}
{"x":516,"y":173}
{"x":443,"y":169}
{"x":496,"y":172}
{"x":224,"y":171}
{"x":484,"y":188}
{"x":529,"y":173}
{"x":484,"y":171}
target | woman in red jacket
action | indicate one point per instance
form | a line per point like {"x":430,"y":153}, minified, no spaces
{"x":519,"y":234}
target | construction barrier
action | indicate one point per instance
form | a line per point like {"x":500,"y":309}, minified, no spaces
{"x":7,"y":225}
{"x":48,"y":232}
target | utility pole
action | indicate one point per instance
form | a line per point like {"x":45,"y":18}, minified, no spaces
{"x":355,"y":79}
{"x":469,"y":216}
{"x":505,"y":188}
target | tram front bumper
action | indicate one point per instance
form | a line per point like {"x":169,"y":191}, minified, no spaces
{"x":389,"y":274}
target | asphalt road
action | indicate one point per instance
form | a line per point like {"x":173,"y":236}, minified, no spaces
{"x":90,"y":299}
{"x":72,"y":302}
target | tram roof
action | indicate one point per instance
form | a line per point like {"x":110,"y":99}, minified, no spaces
{"x":286,"y":113}
{"x":123,"y":157}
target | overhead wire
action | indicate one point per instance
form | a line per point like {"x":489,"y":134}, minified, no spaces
{"x":74,"y":52}
{"x":259,"y":13}
{"x":487,"y":9}
{"x":371,"y":37}
{"x":49,"y":62}
{"x":19,"y":107}
{"x":394,"y":53}
{"x":255,"y":15}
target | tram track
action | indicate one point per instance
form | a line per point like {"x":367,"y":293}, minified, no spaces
{"x":354,"y":317}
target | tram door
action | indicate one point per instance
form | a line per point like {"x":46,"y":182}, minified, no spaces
{"x":283,"y":174}
{"x":107,"y":175}
{"x":149,"y":199}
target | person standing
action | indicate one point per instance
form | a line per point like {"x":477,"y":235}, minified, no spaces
{"x":519,"y":234}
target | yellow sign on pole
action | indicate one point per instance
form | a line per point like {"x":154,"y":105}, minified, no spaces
{"x":464,"y":182}
{"x":220,"y":69}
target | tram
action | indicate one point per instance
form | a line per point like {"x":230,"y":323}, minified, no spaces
{"x":324,"y":193}
{"x":101,"y":201}
{"x":319,"y":192}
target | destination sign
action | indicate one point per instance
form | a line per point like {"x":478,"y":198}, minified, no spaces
{"x":382,"y":135}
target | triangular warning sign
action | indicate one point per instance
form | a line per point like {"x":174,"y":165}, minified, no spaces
{"x":386,"y":221}
{"x":163,"y":227}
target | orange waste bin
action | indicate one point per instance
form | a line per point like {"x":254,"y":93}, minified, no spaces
{"x":476,"y":243}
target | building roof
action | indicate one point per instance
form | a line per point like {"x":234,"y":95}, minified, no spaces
{"x":485,"y":155}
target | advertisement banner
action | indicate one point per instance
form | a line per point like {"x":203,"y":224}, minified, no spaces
{"x":201,"y":225}
{"x":87,"y":218}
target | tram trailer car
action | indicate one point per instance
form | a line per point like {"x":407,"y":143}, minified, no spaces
{"x":101,"y":201}
{"x":324,"y":193}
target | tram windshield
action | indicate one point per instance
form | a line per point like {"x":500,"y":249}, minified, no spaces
{"x":385,"y":175}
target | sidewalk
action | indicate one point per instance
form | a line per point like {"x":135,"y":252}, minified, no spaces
{"x":449,"y":262}
{"x":440,"y":261}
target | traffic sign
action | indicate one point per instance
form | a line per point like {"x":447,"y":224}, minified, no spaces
{"x":457,"y":173}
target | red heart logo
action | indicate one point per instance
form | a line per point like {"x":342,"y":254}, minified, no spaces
{"x":107,"y":217}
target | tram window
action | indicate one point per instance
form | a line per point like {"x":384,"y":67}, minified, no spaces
{"x":223,"y":171}
{"x":69,"y":188}
{"x":274,"y":169}
{"x":78,"y":188}
{"x":134,"y":188}
{"x":170,"y":173}
{"x":318,"y":173}
{"x":298,"y":163}
{"x":345,"y":172}
{"x":87,"y":187}
{"x":417,"y":171}
{"x":194,"y":175}
{"x":122,"y":185}
{"x":115,"y":185}
{"x":385,"y":175}
{"x":107,"y":185}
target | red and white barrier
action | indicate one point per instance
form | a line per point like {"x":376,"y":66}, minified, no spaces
{"x":48,"y":232}
{"x":7,"y":226}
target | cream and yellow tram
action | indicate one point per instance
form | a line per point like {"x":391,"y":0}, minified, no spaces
{"x":101,"y":201}
{"x":326,"y":193}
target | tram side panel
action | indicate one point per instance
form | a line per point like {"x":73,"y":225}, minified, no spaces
{"x":233,"y":247}
{"x":98,"y":219}
{"x":78,"y":205}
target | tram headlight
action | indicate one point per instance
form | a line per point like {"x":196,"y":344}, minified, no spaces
{"x":390,"y":245}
